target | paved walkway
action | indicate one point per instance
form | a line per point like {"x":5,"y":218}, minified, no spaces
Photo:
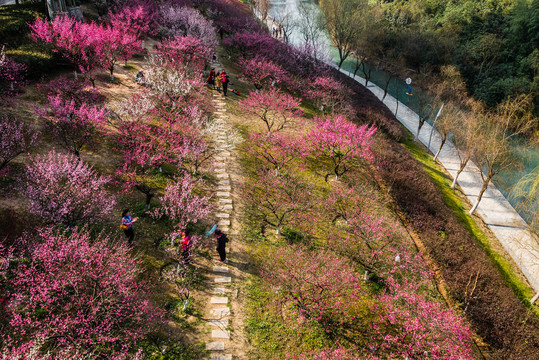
{"x":496,"y":211}
{"x":220,"y":316}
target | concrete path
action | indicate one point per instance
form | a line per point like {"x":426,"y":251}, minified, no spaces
{"x":496,"y":211}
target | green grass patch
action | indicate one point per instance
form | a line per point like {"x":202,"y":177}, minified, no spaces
{"x":456,"y":204}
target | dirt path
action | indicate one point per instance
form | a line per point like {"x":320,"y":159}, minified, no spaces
{"x":224,"y":310}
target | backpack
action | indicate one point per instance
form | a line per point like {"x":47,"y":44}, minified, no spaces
{"x":226,"y":80}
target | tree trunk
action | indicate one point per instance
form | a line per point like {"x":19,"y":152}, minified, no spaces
{"x":462,"y":166}
{"x":440,"y":148}
{"x":386,"y":87}
{"x":483,"y":189}
{"x":149,"y":197}
{"x":419,"y":126}
{"x":341,"y":60}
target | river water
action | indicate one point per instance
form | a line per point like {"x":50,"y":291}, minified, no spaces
{"x":528,"y":156}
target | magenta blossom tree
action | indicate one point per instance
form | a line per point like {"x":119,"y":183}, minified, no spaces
{"x":64,"y":190}
{"x":185,"y":52}
{"x":74,"y":126}
{"x":276,"y":109}
{"x":137,"y":17}
{"x":329,"y":95}
{"x":15,"y":139}
{"x":72,"y":89}
{"x":342,"y":142}
{"x":78,"y":293}
{"x":81,"y":43}
{"x":262,"y":73}
{"x":117,"y":44}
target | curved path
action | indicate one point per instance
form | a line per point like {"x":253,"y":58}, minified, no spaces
{"x":508,"y":226}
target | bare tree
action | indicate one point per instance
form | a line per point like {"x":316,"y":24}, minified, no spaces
{"x":310,"y":24}
{"x":498,"y":129}
{"x":262,"y":8}
{"x":341,"y":18}
{"x":285,"y":18}
{"x":526,"y":192}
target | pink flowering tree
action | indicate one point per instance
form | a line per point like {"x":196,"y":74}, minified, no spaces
{"x":78,"y":294}
{"x":81,"y":43}
{"x":12,"y":74}
{"x":313,"y":286}
{"x":139,"y":18}
{"x":184,"y":52}
{"x":410,"y":326}
{"x":277,"y":200}
{"x":342,"y":143}
{"x":117,"y":44}
{"x":182,"y":204}
{"x":328,"y":95}
{"x":74,"y":126}
{"x":64,"y":190}
{"x":183,"y":20}
{"x":277,"y":150}
{"x":262,"y":73}
{"x":15,"y":139}
{"x":72,"y":89}
{"x":276,"y":109}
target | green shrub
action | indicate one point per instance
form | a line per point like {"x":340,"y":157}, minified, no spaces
{"x":14,"y":20}
{"x":37,"y":58}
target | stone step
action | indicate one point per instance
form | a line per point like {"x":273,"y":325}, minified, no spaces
{"x":223,"y":300}
{"x":224,"y":153}
{"x":224,"y":182}
{"x":219,"y":158}
{"x":223,"y":223}
{"x":221,"y":357}
{"x":222,"y":176}
{"x":221,"y":269}
{"x":223,"y":194}
{"x":226,"y":207}
{"x":221,"y":312}
{"x":224,"y":229}
{"x":223,"y":279}
{"x":223,"y":215}
{"x":220,"y":164}
{"x":223,"y":324}
{"x":215,"y":346}
{"x":224,"y":187}
{"x":219,"y":290}
{"x":220,"y":170}
{"x":225,"y":201}
{"x":220,"y":334}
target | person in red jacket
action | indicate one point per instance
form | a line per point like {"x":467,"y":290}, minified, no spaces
{"x":186,"y":245}
{"x":211,"y":78}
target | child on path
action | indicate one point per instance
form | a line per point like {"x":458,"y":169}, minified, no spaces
{"x":127,"y":226}
{"x":214,"y":57}
{"x":218,"y":79}
{"x":222,"y":239}
{"x":186,"y":245}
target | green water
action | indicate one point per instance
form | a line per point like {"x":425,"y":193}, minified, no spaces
{"x":527,"y":156}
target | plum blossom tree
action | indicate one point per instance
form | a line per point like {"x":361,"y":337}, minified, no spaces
{"x":276,"y":109}
{"x":80,"y":43}
{"x":117,"y":44}
{"x":342,"y":142}
{"x":329,"y":95}
{"x":315,"y":285}
{"x":183,"y":20}
{"x":72,"y":89}
{"x":276,"y":149}
{"x":181,"y":204}
{"x":12,"y":74}
{"x":64,"y":190}
{"x":80,"y":295}
{"x":15,"y":139}
{"x":74,"y":126}
{"x":262,"y":73}
{"x":277,"y":200}
{"x":139,"y":18}
{"x":186,"y":53}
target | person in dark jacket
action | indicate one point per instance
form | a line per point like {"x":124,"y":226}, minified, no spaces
{"x":221,"y":245}
{"x":127,"y":226}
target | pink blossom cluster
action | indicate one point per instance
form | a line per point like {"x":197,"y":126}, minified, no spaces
{"x":12,"y":74}
{"x":64,"y":190}
{"x":15,"y":139}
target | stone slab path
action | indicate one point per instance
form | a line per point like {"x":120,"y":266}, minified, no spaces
{"x":508,"y":226}
{"x":220,"y":316}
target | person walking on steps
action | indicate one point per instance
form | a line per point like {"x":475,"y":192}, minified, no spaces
{"x":225,"y":79}
{"x":222,"y":239}
{"x":127,"y":226}
{"x":186,"y":246}
{"x":211,"y":78}
{"x":218,"y":79}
